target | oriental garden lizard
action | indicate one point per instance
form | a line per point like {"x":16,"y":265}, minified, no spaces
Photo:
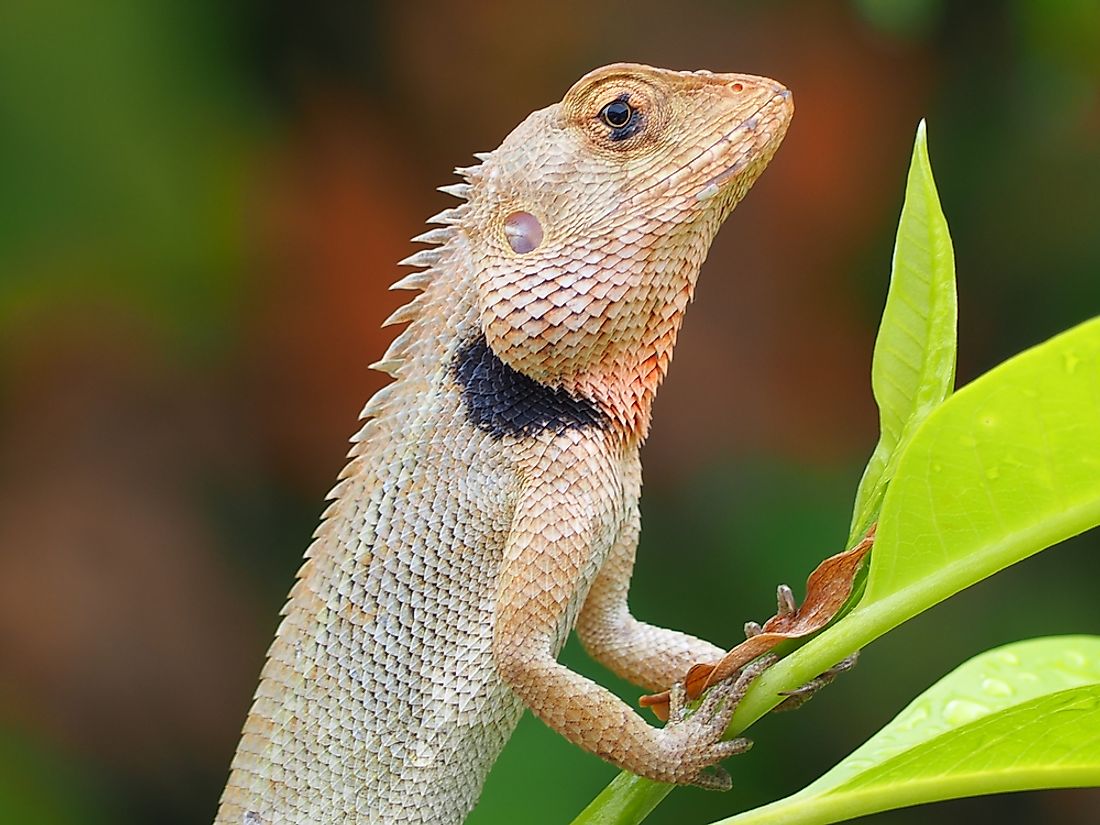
{"x":490,"y":504}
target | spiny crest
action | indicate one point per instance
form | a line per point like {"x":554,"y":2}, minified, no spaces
{"x":430,"y":261}
{"x":458,"y":190}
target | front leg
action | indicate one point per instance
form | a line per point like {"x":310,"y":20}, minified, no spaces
{"x":549,"y":559}
{"x":643,"y":654}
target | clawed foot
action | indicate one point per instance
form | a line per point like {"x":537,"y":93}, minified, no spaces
{"x":696,"y":738}
{"x":799,"y":696}
{"x":785,"y":606}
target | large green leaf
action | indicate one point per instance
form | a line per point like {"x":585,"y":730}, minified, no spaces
{"x":913,"y":369}
{"x":1005,"y":467}
{"x":1011,"y":467}
{"x":1022,"y":717}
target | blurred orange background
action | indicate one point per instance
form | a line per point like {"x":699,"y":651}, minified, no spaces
{"x":201,"y":206}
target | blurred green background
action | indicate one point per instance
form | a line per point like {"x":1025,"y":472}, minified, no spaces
{"x":201,"y":204}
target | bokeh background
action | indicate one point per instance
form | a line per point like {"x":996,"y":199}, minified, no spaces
{"x":201,"y":205}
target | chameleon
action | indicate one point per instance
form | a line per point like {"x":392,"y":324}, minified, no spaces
{"x":490,"y":502}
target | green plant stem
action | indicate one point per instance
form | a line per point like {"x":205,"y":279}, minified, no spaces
{"x":629,"y":799}
{"x":626,"y":799}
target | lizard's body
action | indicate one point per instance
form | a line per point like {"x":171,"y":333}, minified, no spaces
{"x":491,"y":502}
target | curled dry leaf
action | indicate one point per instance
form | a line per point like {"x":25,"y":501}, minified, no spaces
{"x":827,"y":588}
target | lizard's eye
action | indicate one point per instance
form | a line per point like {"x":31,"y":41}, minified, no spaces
{"x":624,"y":120}
{"x":616,"y":114}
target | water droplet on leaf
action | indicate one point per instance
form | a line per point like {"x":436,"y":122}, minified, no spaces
{"x":962,"y":711}
{"x":995,"y":687}
{"x":1075,"y":659}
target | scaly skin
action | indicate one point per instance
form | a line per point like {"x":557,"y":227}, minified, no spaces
{"x":491,"y":500}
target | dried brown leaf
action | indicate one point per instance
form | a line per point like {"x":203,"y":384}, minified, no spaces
{"x":827,"y":588}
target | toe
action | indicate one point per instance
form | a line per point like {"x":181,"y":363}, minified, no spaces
{"x":732,"y":747}
{"x":713,"y":779}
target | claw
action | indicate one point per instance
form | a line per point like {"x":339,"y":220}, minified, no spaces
{"x":708,"y":723}
{"x":730,"y":692}
{"x":715,"y":778}
{"x":718,"y":699}
{"x":734,"y":747}
{"x":784,"y":597}
{"x":845,"y":664}
{"x":801,"y":695}
{"x":754,"y":668}
{"x":805,"y":691}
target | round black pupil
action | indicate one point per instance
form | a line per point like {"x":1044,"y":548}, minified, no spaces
{"x":617,"y":114}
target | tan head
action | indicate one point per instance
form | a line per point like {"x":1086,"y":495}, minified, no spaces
{"x":587,"y":227}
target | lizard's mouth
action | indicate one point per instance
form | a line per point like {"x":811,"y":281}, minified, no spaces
{"x":714,"y":185}
{"x":752,"y":123}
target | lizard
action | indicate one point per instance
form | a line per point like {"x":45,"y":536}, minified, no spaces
{"x":490,"y":501}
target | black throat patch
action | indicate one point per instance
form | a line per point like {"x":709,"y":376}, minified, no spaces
{"x":502,"y":401}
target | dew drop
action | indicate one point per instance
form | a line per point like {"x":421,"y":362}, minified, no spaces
{"x":1071,"y":362}
{"x":995,"y":687}
{"x":915,"y":717}
{"x":962,"y":711}
{"x":1075,"y":659}
{"x":1008,"y":658}
{"x":523,"y":231}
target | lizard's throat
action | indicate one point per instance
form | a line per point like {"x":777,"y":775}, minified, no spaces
{"x":626,"y":400}
{"x":610,"y":346}
{"x":624,"y":381}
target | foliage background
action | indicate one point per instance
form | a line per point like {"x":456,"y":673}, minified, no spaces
{"x":200,"y":206}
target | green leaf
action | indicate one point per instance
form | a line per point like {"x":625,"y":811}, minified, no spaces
{"x":1011,"y":467}
{"x":1022,"y":717}
{"x":913,"y":369}
{"x":1007,"y":466}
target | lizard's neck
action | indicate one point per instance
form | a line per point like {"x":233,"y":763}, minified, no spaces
{"x":599,"y":322}
{"x":624,"y":380}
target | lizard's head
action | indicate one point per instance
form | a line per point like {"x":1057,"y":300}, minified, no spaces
{"x":587,"y":227}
